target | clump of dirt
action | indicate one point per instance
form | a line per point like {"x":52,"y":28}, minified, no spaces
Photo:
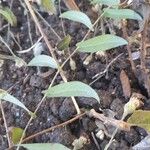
{"x":26,"y":85}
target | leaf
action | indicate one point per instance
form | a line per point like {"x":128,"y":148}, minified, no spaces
{"x":121,"y":14}
{"x":8,"y":15}
{"x":143,"y":144}
{"x":15,"y":134}
{"x":140,"y":118}
{"x":125,"y":84}
{"x":19,"y":62}
{"x":73,"y":88}
{"x":101,"y":43}
{"x":7,"y":97}
{"x":71,"y":4}
{"x":49,"y":6}
{"x":45,"y":146}
{"x":78,"y":16}
{"x":64,"y":43}
{"x":43,"y":61}
{"x":107,"y":2}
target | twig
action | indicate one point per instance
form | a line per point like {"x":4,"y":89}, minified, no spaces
{"x":95,"y":141}
{"x":5,"y":124}
{"x":99,"y":75}
{"x":54,"y":127}
{"x":3,"y":41}
{"x":143,"y":46}
{"x":120,"y":124}
{"x":113,"y":135}
{"x":4,"y":26}
{"x":124,"y":30}
{"x":46,"y":23}
{"x":51,"y":128}
{"x":29,"y":49}
{"x":62,"y":23}
{"x":12,"y":35}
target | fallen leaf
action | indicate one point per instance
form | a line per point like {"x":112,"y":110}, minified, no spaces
{"x":15,"y":134}
{"x":71,"y":4}
{"x":140,"y":118}
{"x":125,"y":84}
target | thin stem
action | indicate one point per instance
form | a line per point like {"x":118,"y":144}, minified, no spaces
{"x":113,"y":135}
{"x":2,"y":40}
{"x":40,"y":16}
{"x":5,"y":124}
{"x":125,"y":34}
{"x":53,"y":127}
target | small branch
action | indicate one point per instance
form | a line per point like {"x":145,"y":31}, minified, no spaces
{"x":110,"y":121}
{"x":54,"y":127}
{"x":143,"y":46}
{"x":125,"y":34}
{"x":99,"y":75}
{"x":5,"y":124}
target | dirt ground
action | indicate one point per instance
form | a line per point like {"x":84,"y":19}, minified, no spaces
{"x":26,"y":85}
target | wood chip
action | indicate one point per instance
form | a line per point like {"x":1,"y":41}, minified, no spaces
{"x":71,"y":4}
{"x":125,"y":84}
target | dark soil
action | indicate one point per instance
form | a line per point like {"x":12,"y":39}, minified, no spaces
{"x":26,"y":85}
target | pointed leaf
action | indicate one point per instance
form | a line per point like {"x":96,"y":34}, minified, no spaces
{"x":45,"y":146}
{"x":106,"y":2}
{"x":19,"y":62}
{"x":49,"y":6}
{"x":7,"y":97}
{"x":43,"y":61}
{"x":8,"y":15}
{"x":64,"y":43}
{"x":140,"y":118}
{"x":101,"y":43}
{"x":73,"y":88}
{"x":122,"y":14}
{"x":78,"y":17}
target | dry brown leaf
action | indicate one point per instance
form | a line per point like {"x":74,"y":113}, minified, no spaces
{"x":71,"y":4}
{"x":125,"y":84}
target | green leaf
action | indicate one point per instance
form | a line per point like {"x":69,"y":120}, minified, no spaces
{"x":121,"y":14}
{"x":16,"y":134}
{"x":19,"y":62}
{"x":140,"y":118}
{"x":8,"y":15}
{"x":101,"y":43}
{"x":107,"y":2}
{"x":64,"y":43}
{"x":43,"y":61}
{"x":73,"y":88}
{"x":49,"y":6}
{"x":78,"y":16}
{"x":46,"y":146}
{"x":7,"y":97}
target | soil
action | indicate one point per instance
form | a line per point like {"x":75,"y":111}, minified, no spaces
{"x":26,"y":85}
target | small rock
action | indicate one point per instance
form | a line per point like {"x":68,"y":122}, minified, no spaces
{"x":93,"y":69}
{"x":36,"y":81}
{"x":117,"y":106}
{"x":54,"y":105}
{"x":67,"y":110}
{"x":61,"y":135}
{"x":132,"y":137}
{"x":106,"y":98}
{"x":87,"y":102}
